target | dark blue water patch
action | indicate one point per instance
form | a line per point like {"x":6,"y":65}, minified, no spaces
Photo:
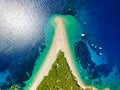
{"x":83,"y":56}
{"x":104,"y":69}
{"x":94,"y":72}
{"x":4,"y":61}
{"x":82,"y":51}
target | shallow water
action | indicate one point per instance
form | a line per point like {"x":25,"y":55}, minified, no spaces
{"x":20,"y":49}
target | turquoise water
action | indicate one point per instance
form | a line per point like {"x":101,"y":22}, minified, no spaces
{"x":72,"y":29}
{"x":49,"y":33}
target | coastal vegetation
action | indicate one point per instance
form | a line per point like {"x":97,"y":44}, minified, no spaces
{"x":59,"y":77}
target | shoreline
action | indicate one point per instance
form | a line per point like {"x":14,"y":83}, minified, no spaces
{"x":59,"y":43}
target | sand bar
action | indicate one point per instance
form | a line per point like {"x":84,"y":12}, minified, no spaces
{"x":59,"y":42}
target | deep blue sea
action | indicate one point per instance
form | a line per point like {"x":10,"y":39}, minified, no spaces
{"x":22,"y":24}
